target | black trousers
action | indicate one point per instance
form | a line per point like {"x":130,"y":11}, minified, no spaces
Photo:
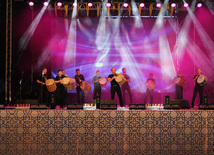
{"x":44,"y":96}
{"x":97,"y":90}
{"x":61,"y":94}
{"x":116,"y":88}
{"x":149,"y":92}
{"x":124,"y":89}
{"x":200,"y":90}
{"x":179,"y":92}
{"x":80,"y":92}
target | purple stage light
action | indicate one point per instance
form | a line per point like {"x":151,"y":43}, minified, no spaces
{"x":74,"y":4}
{"x":158,"y":5}
{"x":199,"y":5}
{"x":186,"y":5}
{"x":173,"y":5}
{"x":108,"y":5}
{"x":59,"y":4}
{"x":142,"y":5}
{"x":31,"y":3}
{"x":45,"y":3}
{"x":90,"y":4}
{"x":125,"y":5}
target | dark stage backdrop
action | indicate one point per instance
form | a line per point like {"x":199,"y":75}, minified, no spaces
{"x":141,"y":45}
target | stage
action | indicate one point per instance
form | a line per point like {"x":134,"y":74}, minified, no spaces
{"x":106,"y":132}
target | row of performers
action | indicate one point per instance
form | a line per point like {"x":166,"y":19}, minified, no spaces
{"x":61,"y":83}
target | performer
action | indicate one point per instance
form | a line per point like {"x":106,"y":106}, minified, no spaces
{"x":61,"y":91}
{"x":97,"y":86}
{"x":79,"y":79}
{"x":150,"y":83}
{"x":197,"y":88}
{"x":63,"y":73}
{"x":115,"y":86}
{"x":179,"y":86}
{"x":43,"y":91}
{"x":125,"y":87}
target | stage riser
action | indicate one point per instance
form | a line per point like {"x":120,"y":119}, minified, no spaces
{"x":106,"y":132}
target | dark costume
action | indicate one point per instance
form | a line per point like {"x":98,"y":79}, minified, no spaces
{"x":44,"y":96}
{"x":61,"y":92}
{"x":149,"y":92}
{"x":79,"y":90}
{"x":115,"y":87}
{"x":126,"y":87}
{"x":97,"y":87}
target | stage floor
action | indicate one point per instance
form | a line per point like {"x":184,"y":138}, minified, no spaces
{"x":148,"y":131}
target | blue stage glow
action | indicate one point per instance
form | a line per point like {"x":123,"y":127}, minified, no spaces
{"x":102,"y":44}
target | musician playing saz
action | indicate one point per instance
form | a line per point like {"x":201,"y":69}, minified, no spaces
{"x":115,"y":87}
{"x":198,"y":86}
{"x":150,"y":83}
{"x":179,"y":81}
{"x":79,"y":79}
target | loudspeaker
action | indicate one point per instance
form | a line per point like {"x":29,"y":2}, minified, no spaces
{"x":171,"y":106}
{"x":1,"y":106}
{"x":108,"y":104}
{"x":137,"y":106}
{"x":75,"y":106}
{"x":206,"y":106}
{"x":37,"y":106}
{"x":182,"y":103}
{"x":28,"y":101}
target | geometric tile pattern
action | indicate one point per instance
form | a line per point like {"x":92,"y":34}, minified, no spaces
{"x":106,"y":132}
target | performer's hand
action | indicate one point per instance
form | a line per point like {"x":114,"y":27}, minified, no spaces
{"x":43,"y":83}
{"x":78,"y":84}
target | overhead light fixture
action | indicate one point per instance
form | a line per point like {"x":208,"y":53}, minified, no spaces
{"x":158,"y":5}
{"x":90,"y":4}
{"x":173,"y":5}
{"x":31,"y":3}
{"x":125,"y":5}
{"x":186,"y":5}
{"x":142,"y":5}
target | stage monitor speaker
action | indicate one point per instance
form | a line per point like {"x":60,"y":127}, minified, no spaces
{"x":184,"y":104}
{"x":137,"y":106}
{"x":2,"y":106}
{"x":27,"y":101}
{"x":171,"y":106}
{"x":108,"y":105}
{"x":37,"y":106}
{"x":75,"y":106}
{"x":206,"y":106}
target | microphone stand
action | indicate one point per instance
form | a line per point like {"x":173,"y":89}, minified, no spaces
{"x":20,"y":87}
{"x":42,"y":87}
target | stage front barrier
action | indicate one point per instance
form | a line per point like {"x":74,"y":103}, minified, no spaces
{"x":106,"y":131}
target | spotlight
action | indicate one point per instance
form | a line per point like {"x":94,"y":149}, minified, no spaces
{"x":173,"y":5}
{"x":125,"y":5}
{"x":186,"y":5}
{"x":90,"y":4}
{"x":74,"y":4}
{"x":158,"y":5}
{"x":59,"y":4}
{"x":108,"y":5}
{"x":31,"y":3}
{"x":199,"y":5}
{"x":142,"y":5}
{"x":45,"y":3}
